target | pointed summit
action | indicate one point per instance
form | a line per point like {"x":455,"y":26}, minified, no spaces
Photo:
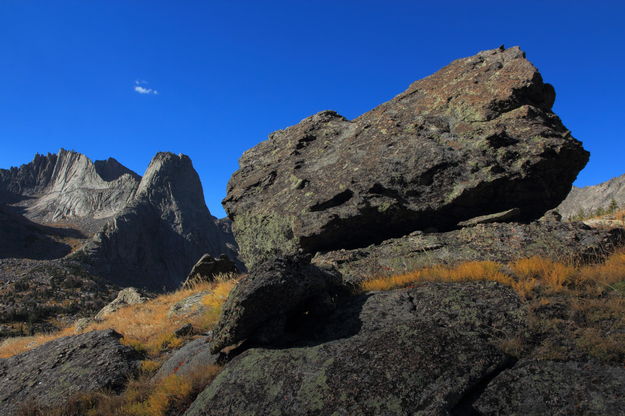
{"x":162,"y":232}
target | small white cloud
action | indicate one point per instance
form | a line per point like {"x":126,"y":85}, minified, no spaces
{"x":139,"y":87}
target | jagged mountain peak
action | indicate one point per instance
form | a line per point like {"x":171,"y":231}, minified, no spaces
{"x":68,"y":187}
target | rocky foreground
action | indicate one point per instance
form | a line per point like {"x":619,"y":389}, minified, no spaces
{"x":461,"y":167}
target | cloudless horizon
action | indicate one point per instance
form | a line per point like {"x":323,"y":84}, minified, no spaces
{"x":127,"y":79}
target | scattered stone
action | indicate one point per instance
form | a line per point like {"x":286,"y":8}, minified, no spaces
{"x":555,"y":388}
{"x":415,"y":351}
{"x":501,"y":242}
{"x":189,"y":306}
{"x":475,"y":138}
{"x":52,"y":373}
{"x":263,"y":306}
{"x":125,"y":297}
{"x":192,"y":357}
{"x":207,"y":268}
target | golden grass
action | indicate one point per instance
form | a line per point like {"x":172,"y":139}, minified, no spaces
{"x":573,"y":309}
{"x":146,"y":327}
{"x":474,"y":270}
{"x":526,"y":276}
{"x":142,"y":397}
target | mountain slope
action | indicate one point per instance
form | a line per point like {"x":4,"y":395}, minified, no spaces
{"x":68,"y":188}
{"x":162,"y":232}
{"x":589,"y":199}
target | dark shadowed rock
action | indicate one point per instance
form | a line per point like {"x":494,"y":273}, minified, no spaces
{"x":158,"y":237}
{"x":274,"y":299}
{"x":414,"y":351}
{"x":500,"y":242}
{"x":475,"y":138}
{"x":207,"y":268}
{"x":534,"y":388}
{"x":192,"y":357}
{"x":52,"y":373}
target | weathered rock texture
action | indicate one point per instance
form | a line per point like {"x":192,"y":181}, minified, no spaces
{"x":125,"y":297}
{"x":162,"y":232}
{"x":68,"y":188}
{"x":278,"y":296}
{"x":193,"y":357}
{"x":475,"y":138}
{"x":501,"y":242}
{"x":415,"y":351}
{"x":51,"y":374}
{"x":589,"y":199}
{"x":536,"y":388}
{"x":207,"y":268}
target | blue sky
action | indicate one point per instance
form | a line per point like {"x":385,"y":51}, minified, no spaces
{"x":228,"y":73}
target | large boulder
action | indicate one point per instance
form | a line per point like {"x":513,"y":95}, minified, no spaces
{"x":534,"y":388}
{"x":475,"y":138}
{"x":501,"y":242}
{"x":276,"y":301}
{"x":54,"y":372}
{"x":421,"y":350}
{"x":160,"y":234}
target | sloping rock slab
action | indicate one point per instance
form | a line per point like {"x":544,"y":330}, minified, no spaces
{"x":50,"y":374}
{"x":207,"y":267}
{"x":410,"y":351}
{"x":263,"y":306}
{"x":476,"y":138}
{"x":535,"y":388}
{"x":192,"y":357}
{"x":500,"y":242}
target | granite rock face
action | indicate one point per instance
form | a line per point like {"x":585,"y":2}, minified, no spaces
{"x":589,"y":199}
{"x":476,"y":138}
{"x":68,"y":188}
{"x":125,"y":297}
{"x":158,"y":237}
{"x":501,"y":242}
{"x":414,"y":351}
{"x":52,"y":373}
{"x":536,"y":388}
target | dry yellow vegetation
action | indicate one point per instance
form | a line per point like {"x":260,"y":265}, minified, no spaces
{"x":575,"y":311}
{"x":526,"y":276}
{"x":146,"y":327}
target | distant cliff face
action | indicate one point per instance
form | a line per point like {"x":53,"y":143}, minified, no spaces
{"x":145,"y":232}
{"x":589,"y":199}
{"x":68,"y":188}
{"x":162,"y":232}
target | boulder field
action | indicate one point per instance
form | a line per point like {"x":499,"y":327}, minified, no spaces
{"x":461,"y":166}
